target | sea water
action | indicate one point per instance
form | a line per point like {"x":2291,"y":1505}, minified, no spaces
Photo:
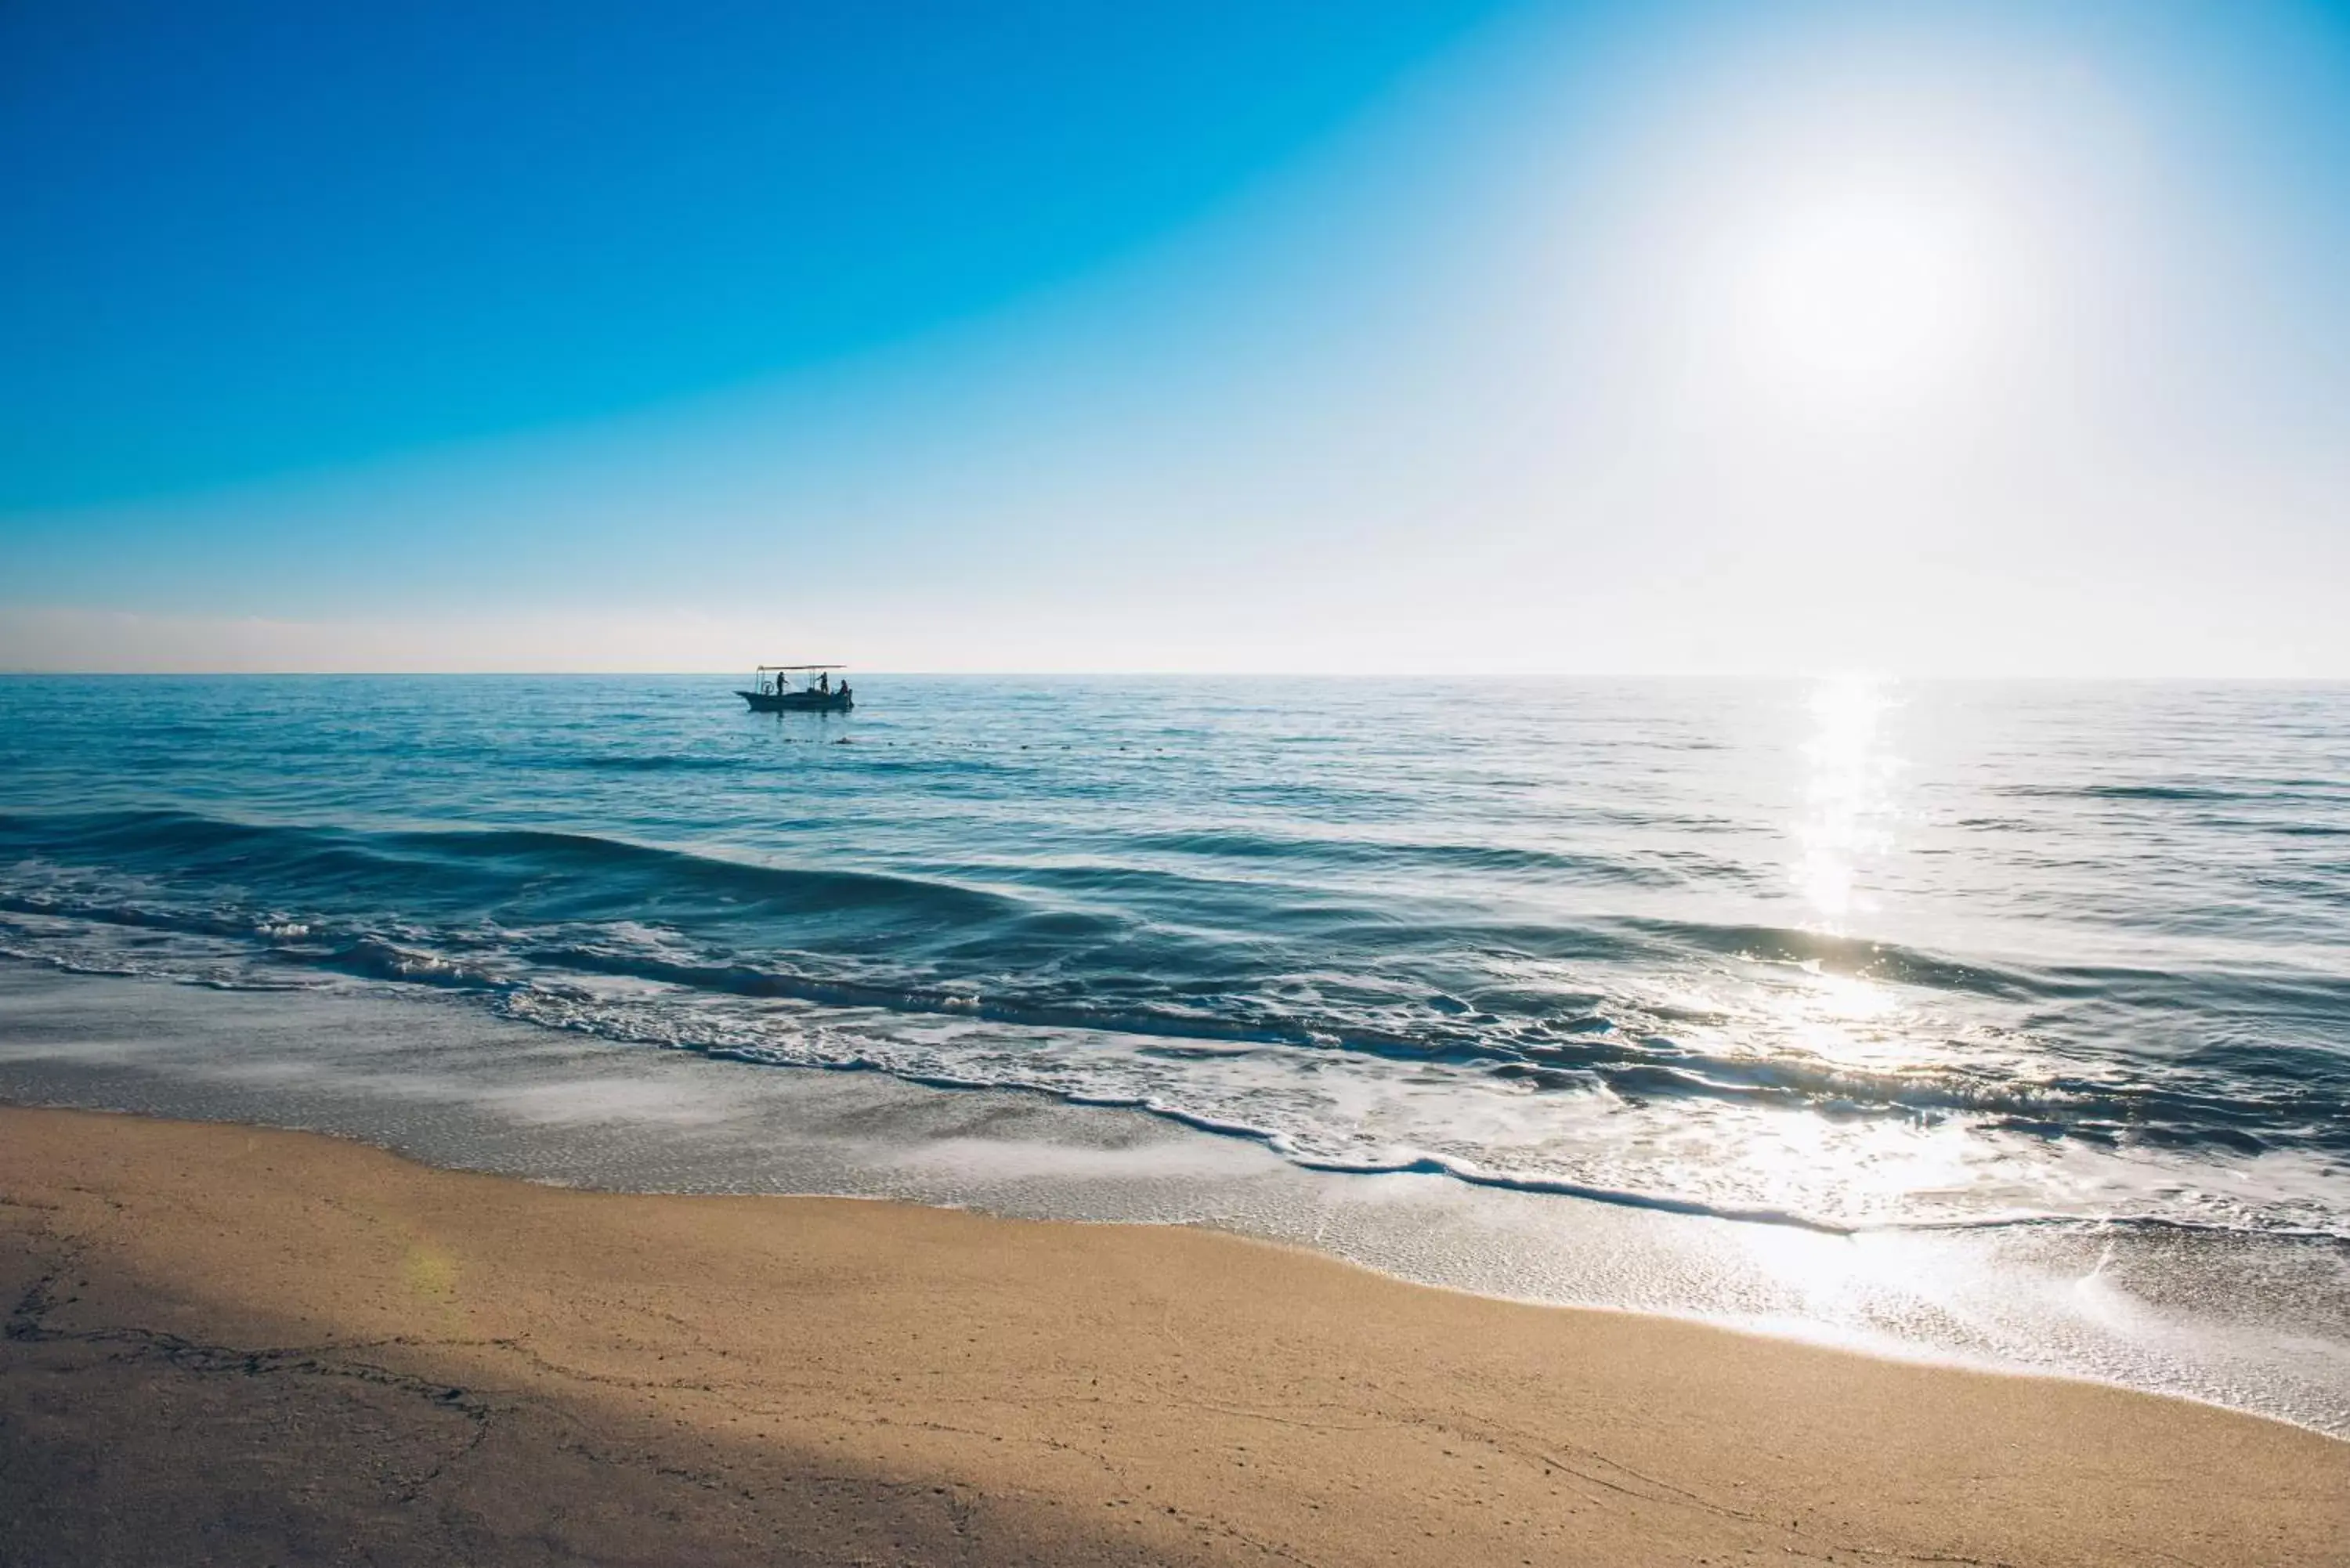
{"x":2053,"y":980}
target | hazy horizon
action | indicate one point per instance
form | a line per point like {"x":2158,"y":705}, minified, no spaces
{"x":1876,"y":681}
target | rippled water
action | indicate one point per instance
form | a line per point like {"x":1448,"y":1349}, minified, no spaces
{"x":1852,"y":955}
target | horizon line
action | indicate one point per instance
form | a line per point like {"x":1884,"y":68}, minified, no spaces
{"x":1157,"y":673}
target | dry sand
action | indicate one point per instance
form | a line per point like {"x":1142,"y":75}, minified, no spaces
{"x":227,"y":1346}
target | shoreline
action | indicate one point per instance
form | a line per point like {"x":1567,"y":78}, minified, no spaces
{"x":300,"y":1340}
{"x":2246,"y":1323}
{"x":1890,"y":1353}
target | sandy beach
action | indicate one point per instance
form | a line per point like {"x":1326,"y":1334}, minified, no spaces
{"x":233,"y":1345}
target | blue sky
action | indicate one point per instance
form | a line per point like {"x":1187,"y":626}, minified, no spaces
{"x":1990,"y":338}
{"x":255,"y":237}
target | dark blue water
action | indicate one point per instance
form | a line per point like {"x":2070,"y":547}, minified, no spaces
{"x":1858,"y":955}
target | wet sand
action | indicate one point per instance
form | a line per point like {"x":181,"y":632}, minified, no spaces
{"x":233,"y":1345}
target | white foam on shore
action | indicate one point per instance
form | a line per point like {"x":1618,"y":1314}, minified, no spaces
{"x":2257,"y":1324}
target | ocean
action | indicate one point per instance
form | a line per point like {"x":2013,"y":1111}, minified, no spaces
{"x":2005,"y":1023}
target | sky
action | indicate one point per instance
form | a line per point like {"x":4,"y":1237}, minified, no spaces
{"x":1385,"y":336}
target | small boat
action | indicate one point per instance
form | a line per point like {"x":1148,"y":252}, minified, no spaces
{"x":773,"y":690}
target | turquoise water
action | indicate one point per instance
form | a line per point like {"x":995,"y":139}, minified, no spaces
{"x":1853,"y":956}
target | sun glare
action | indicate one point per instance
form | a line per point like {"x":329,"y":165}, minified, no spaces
{"x":1847,"y":257}
{"x":1862,"y":297}
{"x":1848,"y":810}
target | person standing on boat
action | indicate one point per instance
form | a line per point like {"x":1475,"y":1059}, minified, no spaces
{"x":824,"y":684}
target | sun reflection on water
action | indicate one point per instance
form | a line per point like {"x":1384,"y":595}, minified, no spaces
{"x":1848,"y":808}
{"x":1860,"y":1169}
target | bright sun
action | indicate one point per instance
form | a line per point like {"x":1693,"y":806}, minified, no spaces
{"x":1898,"y":254}
{"x":1863,"y":297}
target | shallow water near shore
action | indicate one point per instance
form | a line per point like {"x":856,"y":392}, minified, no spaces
{"x":2002,"y":1023}
{"x":2260,"y":1324}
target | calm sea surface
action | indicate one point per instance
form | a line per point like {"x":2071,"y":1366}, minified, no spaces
{"x":1859,"y":956}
